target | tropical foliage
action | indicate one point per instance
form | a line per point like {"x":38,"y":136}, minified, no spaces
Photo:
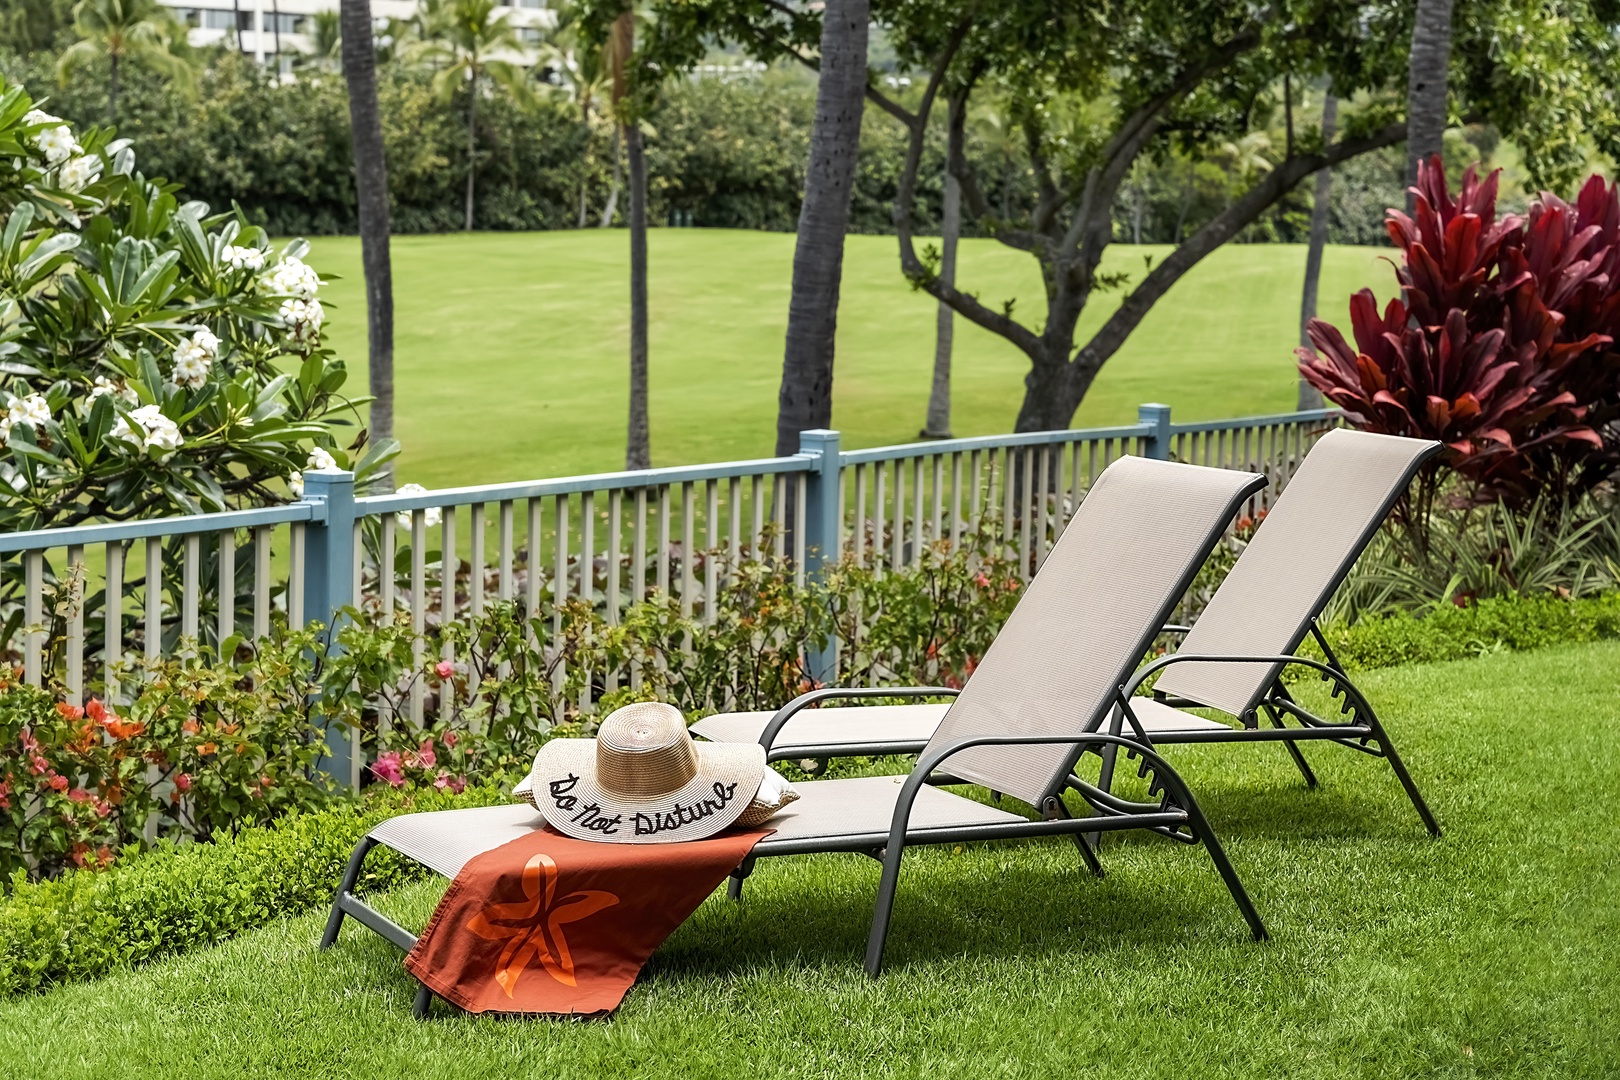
{"x":1500,"y":345}
{"x":158,"y":358}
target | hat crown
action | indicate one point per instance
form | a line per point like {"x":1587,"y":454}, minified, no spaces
{"x":644,"y":750}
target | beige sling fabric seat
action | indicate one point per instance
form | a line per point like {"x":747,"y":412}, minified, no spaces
{"x":1033,"y":706}
{"x":848,"y":731}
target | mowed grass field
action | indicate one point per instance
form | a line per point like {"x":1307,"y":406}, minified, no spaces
{"x":512,"y":348}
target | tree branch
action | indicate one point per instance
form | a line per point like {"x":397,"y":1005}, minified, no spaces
{"x":1220,"y":229}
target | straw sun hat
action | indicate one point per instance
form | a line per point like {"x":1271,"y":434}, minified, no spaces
{"x":643,"y":780}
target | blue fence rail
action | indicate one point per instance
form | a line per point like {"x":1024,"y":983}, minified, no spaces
{"x":608,"y":539}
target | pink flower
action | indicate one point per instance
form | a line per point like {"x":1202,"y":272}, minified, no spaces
{"x":445,"y":669}
{"x":58,"y":782}
{"x":182,"y":783}
{"x":425,"y":755}
{"x":390,"y":769}
{"x":454,"y":784}
{"x":78,"y":794}
{"x":450,"y":739}
{"x":103,"y":808}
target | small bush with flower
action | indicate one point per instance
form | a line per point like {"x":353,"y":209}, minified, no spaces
{"x":159,"y":358}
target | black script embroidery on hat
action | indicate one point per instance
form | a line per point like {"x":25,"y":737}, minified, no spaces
{"x":591,"y":817}
{"x":685,"y":813}
{"x":560,"y":790}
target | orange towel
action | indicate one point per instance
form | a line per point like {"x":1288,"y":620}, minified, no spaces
{"x":551,"y":925}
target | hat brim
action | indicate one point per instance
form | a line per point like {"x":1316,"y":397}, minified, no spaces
{"x":568,"y":796}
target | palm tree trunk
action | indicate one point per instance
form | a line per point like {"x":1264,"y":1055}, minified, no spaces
{"x":638,"y":451}
{"x":371,"y":187}
{"x":236,"y":28}
{"x":938,"y":425}
{"x":1309,"y":396}
{"x":275,"y":15}
{"x":612,"y":206}
{"x":1429,"y":61}
{"x":472,"y":143}
{"x":112,"y":92}
{"x":805,"y":398}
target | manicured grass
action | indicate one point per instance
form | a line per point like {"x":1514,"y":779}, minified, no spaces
{"x":512,"y":347}
{"x":1487,"y":953}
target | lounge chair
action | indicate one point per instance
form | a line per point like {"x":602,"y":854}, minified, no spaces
{"x":1047,"y":684}
{"x":1264,"y":609}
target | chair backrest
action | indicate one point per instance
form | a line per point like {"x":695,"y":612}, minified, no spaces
{"x":1310,"y":539}
{"x":1083,"y":623}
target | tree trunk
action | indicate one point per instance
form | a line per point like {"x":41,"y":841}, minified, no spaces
{"x":112,"y":92}
{"x":371,"y":187}
{"x":938,"y":425}
{"x":1309,"y":396}
{"x":805,"y":398}
{"x":638,"y":452}
{"x":275,"y":14}
{"x":472,"y":144}
{"x":612,"y":206}
{"x":1429,"y":62}
{"x":236,"y":28}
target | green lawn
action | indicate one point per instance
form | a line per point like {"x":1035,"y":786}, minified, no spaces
{"x":512,"y":347}
{"x":1488,"y":953}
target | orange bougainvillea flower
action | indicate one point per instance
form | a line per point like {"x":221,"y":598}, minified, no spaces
{"x":190,"y":727}
{"x":208,"y":748}
{"x":70,"y":712}
{"x":533,"y":927}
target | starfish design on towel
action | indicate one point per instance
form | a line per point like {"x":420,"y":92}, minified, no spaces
{"x":533,"y":927}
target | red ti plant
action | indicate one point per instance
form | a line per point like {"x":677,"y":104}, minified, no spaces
{"x":1500,"y":345}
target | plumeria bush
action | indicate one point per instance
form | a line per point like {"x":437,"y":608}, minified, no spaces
{"x":158,"y":358}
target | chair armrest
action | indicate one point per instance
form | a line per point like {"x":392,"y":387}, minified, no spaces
{"x":773,"y":727}
{"x":931,"y":760}
{"x":1142,"y":675}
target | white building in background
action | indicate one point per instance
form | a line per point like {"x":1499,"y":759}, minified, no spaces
{"x":277,"y":31}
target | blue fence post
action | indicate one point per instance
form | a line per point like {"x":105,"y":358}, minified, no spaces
{"x":821,"y":531}
{"x":329,"y":587}
{"x":1157,"y":418}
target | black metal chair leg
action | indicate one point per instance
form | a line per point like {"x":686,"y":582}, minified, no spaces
{"x":1217,"y":854}
{"x":1105,"y":780}
{"x":334,"y":921}
{"x":423,"y":1002}
{"x":883,"y":909}
{"x":1088,"y":854}
{"x":1299,"y":758}
{"x":1404,"y":777}
{"x":734,"y":885}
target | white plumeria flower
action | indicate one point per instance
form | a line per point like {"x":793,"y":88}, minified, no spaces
{"x":32,"y":410}
{"x":57,"y":144}
{"x":104,"y":386}
{"x":154,"y":431}
{"x":321,"y":461}
{"x":295,"y":484}
{"x":431,"y":517}
{"x":77,"y":173}
{"x":193,"y":358}
{"x":303,"y":319}
{"x":242,"y":258}
{"x":293,"y":277}
{"x":40,"y":116}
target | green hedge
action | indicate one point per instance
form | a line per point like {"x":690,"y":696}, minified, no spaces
{"x":88,"y":923}
{"x":1505,"y":624}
